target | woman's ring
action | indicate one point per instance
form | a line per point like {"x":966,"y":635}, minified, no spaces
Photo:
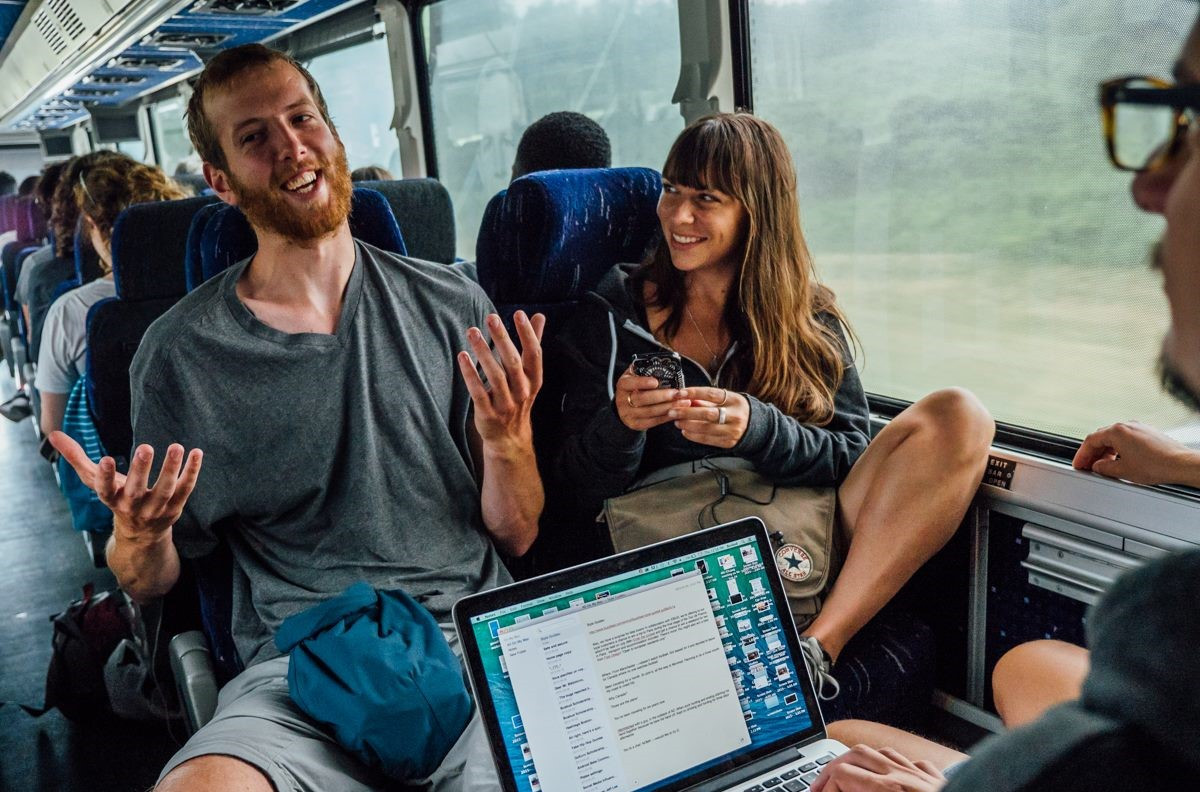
{"x":629,"y":399}
{"x":724,"y":397}
{"x":721,"y":415}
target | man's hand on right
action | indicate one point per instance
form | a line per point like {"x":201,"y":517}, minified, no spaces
{"x":1135,"y":452}
{"x":864,"y":769}
{"x":144,"y":512}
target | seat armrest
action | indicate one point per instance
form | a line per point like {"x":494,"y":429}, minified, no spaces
{"x":194,"y":677}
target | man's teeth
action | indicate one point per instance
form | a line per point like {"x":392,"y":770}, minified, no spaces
{"x":306,"y":178}
{"x":684,"y":240}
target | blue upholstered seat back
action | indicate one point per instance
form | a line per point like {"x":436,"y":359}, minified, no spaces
{"x":551,"y":235}
{"x":149,"y":247}
{"x":227,"y":237}
{"x":193,"y":261}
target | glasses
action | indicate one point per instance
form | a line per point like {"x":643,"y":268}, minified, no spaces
{"x":1145,"y":120}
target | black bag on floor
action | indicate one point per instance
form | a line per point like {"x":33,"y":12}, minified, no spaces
{"x":101,"y":664}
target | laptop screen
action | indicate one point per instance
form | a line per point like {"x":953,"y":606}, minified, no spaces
{"x":651,"y":675}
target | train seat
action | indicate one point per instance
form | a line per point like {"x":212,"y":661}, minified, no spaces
{"x":148,"y":255}
{"x":423,"y":209}
{"x":227,"y":237}
{"x":547,"y":240}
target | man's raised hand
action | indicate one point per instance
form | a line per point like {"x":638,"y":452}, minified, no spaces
{"x":503,"y":406}
{"x":141,"y":510}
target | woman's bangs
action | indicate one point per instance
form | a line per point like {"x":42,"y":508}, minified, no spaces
{"x":702,"y":159}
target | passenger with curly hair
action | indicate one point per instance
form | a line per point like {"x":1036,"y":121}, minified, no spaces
{"x":101,"y":192}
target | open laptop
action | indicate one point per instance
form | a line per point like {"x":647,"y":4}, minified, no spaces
{"x":674,"y":666}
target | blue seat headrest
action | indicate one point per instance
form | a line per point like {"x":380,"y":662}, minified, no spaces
{"x":425,"y":213}
{"x":553,"y":234}
{"x":227,"y":237}
{"x":149,"y":248}
{"x":193,"y":261}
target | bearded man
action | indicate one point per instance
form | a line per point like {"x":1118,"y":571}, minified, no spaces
{"x":318,"y":376}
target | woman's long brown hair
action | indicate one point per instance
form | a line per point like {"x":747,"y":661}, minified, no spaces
{"x":787,"y":355}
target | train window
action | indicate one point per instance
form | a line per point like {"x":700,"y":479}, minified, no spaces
{"x":359,"y":94}
{"x":170,"y":129}
{"x":497,"y":67}
{"x":956,"y":194}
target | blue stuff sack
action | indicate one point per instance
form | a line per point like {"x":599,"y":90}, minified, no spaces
{"x":374,"y":668}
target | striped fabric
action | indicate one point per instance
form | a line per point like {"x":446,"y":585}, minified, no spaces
{"x":87,"y":512}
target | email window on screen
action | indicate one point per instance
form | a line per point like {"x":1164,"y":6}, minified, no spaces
{"x":585,"y":681}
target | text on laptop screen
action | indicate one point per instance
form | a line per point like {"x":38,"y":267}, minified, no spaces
{"x":641,"y":679}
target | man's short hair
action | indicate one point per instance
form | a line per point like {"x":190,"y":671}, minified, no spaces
{"x":8,"y":185}
{"x":562,"y":140}
{"x":220,"y":72}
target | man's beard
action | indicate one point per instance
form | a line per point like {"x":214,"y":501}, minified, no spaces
{"x":1176,"y":386}
{"x":270,"y":211}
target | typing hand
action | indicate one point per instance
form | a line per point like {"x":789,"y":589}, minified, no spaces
{"x":641,"y":404}
{"x":701,"y":421}
{"x":502,"y":407}
{"x":140,"y":511}
{"x":863,"y":769}
{"x":1135,"y":452}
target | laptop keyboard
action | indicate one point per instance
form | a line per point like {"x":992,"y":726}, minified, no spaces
{"x":795,"y":779}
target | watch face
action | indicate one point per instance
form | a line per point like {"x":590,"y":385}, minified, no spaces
{"x":663,"y":366}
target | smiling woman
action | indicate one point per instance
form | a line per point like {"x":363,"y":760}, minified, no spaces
{"x":732,"y":286}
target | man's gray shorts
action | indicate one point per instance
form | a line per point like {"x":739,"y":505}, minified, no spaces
{"x":257,"y":722}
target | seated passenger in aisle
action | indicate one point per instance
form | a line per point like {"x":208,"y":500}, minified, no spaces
{"x":102,"y":193}
{"x":769,"y":378}
{"x":1140,"y":675}
{"x":347,"y":434}
{"x":562,"y":140}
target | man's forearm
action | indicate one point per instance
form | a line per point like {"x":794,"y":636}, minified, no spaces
{"x":512,"y":497}
{"x":145,"y":567}
{"x":1191,"y":470}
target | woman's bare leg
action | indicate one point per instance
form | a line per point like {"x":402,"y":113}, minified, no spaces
{"x":877,"y":735}
{"x":1035,"y":676}
{"x":901,"y":503}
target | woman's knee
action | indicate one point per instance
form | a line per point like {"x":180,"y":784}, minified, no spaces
{"x":1035,"y":676}
{"x":958,"y":417}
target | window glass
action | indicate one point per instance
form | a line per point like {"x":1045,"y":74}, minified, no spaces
{"x":174,"y":146}
{"x":497,"y":67}
{"x":357,"y":85}
{"x":956,"y":194}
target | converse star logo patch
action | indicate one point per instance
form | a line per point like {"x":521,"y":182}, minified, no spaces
{"x":794,"y":563}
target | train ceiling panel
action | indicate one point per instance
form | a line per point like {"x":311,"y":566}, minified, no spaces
{"x":166,"y":50}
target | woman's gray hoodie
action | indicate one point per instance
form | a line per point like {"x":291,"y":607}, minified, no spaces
{"x":599,"y":457}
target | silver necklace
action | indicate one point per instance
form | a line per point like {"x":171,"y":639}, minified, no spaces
{"x":715,"y":357}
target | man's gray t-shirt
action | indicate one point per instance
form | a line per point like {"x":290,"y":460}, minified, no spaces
{"x":328,"y":459}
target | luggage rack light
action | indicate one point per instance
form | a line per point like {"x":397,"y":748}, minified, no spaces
{"x":166,"y":38}
{"x":139,"y":63}
{"x":114,"y":79}
{"x":244,"y":7}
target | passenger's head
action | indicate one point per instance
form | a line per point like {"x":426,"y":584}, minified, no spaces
{"x":259,"y":122}
{"x":8,"y":185}
{"x":64,"y":208}
{"x":110,"y":187}
{"x":28,"y":185}
{"x":47,"y":183}
{"x":559,"y":141}
{"x":371,"y":173}
{"x":729,"y":205}
{"x":1170,"y":186}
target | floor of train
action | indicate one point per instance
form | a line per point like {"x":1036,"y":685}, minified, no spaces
{"x":43,"y":566}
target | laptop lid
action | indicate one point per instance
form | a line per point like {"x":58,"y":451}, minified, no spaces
{"x":656,"y":669}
